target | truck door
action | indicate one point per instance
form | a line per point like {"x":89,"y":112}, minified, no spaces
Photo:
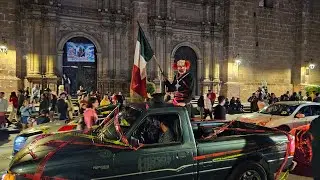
{"x":168,"y":158}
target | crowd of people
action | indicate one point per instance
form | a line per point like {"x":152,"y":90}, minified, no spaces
{"x":205,"y":106}
{"x":24,"y":106}
{"x":261,"y":98}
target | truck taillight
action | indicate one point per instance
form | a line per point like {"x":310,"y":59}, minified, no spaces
{"x":292,"y":145}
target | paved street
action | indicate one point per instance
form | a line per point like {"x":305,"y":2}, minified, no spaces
{"x":6,"y":143}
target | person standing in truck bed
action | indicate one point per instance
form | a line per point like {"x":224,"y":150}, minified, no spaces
{"x":220,"y":111}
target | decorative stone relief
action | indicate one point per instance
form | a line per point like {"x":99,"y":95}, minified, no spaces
{"x":186,"y":37}
{"x":188,"y":14}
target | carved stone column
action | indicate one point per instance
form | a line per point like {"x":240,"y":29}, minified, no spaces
{"x":106,"y":5}
{"x":29,"y":57}
{"x":207,"y":59}
{"x":52,"y":57}
{"x":168,"y":45}
{"x":125,"y":68}
{"x":158,"y":8}
{"x":199,"y":75}
{"x":105,"y":59}
{"x":99,"y":72}
{"x":111,"y":53}
{"x":158,"y":38}
{"x":59,"y":63}
{"x":118,"y":51}
{"x":118,"y":6}
{"x":36,"y":61}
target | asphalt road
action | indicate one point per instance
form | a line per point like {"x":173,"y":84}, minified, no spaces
{"x":6,"y":144}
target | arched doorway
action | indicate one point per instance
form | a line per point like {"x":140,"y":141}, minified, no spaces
{"x":187,"y":53}
{"x":79,"y":64}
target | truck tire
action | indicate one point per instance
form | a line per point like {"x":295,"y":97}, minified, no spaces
{"x":284,"y":128}
{"x":248,"y":170}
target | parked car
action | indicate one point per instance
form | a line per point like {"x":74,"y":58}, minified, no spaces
{"x":194,"y":150}
{"x":284,"y":115}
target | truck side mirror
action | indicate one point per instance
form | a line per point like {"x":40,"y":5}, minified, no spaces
{"x":300,"y":115}
{"x":134,"y":142}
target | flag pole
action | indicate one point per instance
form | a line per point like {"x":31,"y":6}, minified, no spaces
{"x":161,"y":71}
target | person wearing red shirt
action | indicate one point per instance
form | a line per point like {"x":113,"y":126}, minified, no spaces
{"x":90,"y":115}
{"x":14,"y":101}
{"x":212,"y":96}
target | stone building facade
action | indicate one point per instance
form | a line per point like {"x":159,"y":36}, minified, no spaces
{"x":275,"y":40}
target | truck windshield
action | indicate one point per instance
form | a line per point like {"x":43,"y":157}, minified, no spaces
{"x":279,"y":109}
{"x":125,"y":118}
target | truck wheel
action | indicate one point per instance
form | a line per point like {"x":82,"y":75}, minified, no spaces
{"x":248,"y":171}
{"x":284,"y":128}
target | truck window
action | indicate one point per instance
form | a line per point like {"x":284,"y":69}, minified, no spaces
{"x":159,"y":129}
{"x":315,"y":110}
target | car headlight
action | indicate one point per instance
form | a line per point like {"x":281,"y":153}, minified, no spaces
{"x":8,"y":176}
{"x":19,"y":142}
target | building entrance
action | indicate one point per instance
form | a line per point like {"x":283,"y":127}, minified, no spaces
{"x":80,"y":64}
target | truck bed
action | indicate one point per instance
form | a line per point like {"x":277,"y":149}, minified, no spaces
{"x":223,"y":145}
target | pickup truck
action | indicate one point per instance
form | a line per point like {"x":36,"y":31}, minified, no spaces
{"x":159,"y":142}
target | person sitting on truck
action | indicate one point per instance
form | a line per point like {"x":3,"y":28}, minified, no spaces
{"x":166,"y":136}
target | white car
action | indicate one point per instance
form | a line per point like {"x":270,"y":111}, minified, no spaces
{"x":284,"y":115}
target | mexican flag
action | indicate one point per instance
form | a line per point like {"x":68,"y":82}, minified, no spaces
{"x":143,"y":54}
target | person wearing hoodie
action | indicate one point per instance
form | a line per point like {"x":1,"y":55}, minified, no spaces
{"x":90,"y":115}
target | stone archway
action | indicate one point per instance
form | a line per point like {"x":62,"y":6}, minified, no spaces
{"x":71,"y":35}
{"x":191,"y":52}
{"x":60,"y":52}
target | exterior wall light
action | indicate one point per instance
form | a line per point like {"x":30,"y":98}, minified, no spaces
{"x":312,"y":66}
{"x":238,"y":62}
{"x":3,"y":46}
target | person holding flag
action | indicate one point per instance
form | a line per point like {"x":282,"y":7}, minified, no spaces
{"x":182,"y":85}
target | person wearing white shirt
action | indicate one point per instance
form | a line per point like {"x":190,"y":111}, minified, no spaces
{"x":35,"y":93}
{"x":207,"y":107}
{"x":3,"y":110}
